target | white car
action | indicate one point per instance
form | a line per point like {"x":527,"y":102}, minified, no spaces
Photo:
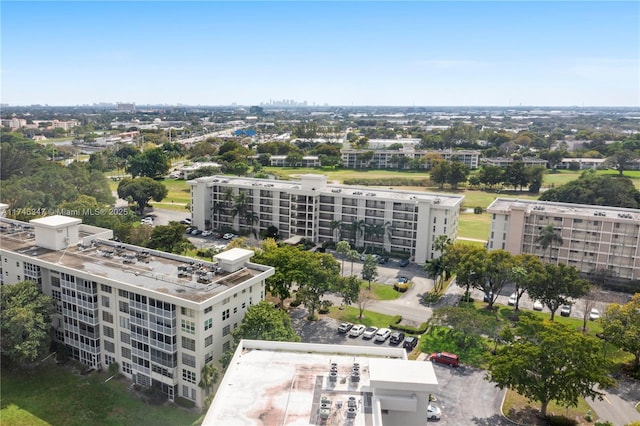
{"x":228,"y":236}
{"x":356,"y":330}
{"x":206,"y":233}
{"x":594,"y":314}
{"x":369,"y":333}
{"x":433,"y":412}
{"x":382,"y":334}
{"x":513,"y":299}
{"x":537,"y":305}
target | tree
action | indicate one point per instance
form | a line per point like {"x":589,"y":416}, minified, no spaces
{"x":169,"y":238}
{"x":621,"y":326}
{"x":435,"y":268}
{"x":468,"y":263}
{"x":557,"y":286}
{"x":439,"y":172}
{"x":25,"y":325}
{"x":343,"y":249}
{"x":534,"y":176}
{"x":595,"y":189}
{"x":514,"y":175}
{"x":491,"y":175}
{"x":336,"y":229}
{"x":620,"y":159}
{"x":208,"y":377}
{"x":466,"y":324}
{"x":497,"y":273}
{"x":142,"y":190}
{"x":370,"y":269}
{"x":349,"y":289}
{"x":352,"y":256}
{"x":549,"y":362}
{"x":319,"y":273}
{"x":526,"y":273}
{"x":548,"y":236}
{"x":264,"y":321}
{"x":457,"y":174}
{"x":153,"y":163}
{"x":365,"y":298}
{"x":285,"y":260}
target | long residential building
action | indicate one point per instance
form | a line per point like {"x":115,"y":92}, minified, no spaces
{"x":394,"y":159}
{"x":160,"y":316}
{"x":283,"y":383}
{"x":400,"y":222}
{"x":594,"y":238}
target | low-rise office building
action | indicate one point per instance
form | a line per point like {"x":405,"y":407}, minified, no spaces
{"x":400,"y":159}
{"x":278,"y":383}
{"x":403,"y":222}
{"x":160,"y":316}
{"x":594,"y":238}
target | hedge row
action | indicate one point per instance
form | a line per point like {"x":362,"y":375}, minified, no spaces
{"x":395,"y":325}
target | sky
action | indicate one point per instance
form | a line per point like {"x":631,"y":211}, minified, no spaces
{"x":418,"y":53}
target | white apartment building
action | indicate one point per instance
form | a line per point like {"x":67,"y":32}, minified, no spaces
{"x":160,"y":316}
{"x":283,"y":383}
{"x":402,"y":222}
{"x":391,"y":159}
{"x":594,"y":237}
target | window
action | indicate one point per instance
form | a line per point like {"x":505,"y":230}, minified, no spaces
{"x":126,"y":367}
{"x":187,"y":312}
{"x":208,"y":341}
{"x":188,"y":343}
{"x":207,"y":310}
{"x":226,"y":330}
{"x":108,"y":331}
{"x":235,"y":310}
{"x":226,"y":346}
{"x":189,"y":360}
{"x":109,"y":346}
{"x":125,"y":337}
{"x":244,"y":305}
{"x":189,"y":376}
{"x":189,"y":327}
{"x":105,"y":288}
{"x":225,"y":314}
{"x":105,"y":301}
{"x":208,"y":323}
{"x":123,"y":306}
{"x":126,"y":352}
{"x":208,"y":357}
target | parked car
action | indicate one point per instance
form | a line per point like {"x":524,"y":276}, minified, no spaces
{"x":513,"y":299}
{"x":396,"y":338}
{"x":184,"y":222}
{"x":565,"y":310}
{"x":382,"y":334}
{"x":344,"y":327}
{"x":188,"y":230}
{"x":383,"y":259}
{"x":433,"y":412}
{"x":488,"y":296}
{"x":206,"y":233}
{"x":196,"y":232}
{"x":445,"y":358}
{"x":228,"y":236}
{"x":594,"y":314}
{"x":404,"y":262}
{"x":369,"y":333}
{"x":356,"y":330}
{"x":537,"y":305}
{"x":410,"y":343}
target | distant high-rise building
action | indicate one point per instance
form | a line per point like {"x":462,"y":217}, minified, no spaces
{"x":126,"y":107}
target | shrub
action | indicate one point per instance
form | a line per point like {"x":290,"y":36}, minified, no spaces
{"x":431,"y":297}
{"x":477,"y":210}
{"x":396,"y":319}
{"x":184,"y":402}
{"x":401,"y":287}
{"x":411,"y":330}
{"x":560,"y":421}
{"x":324,"y":306}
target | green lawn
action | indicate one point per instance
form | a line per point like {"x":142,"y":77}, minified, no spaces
{"x":52,"y":395}
{"x":382,"y":291}
{"x":474,"y":226}
{"x":350,"y":314}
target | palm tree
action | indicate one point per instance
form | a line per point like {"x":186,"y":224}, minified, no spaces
{"x":251,"y":218}
{"x":435,"y":269}
{"x":240,"y":203}
{"x":209,"y":377}
{"x":548,"y":236}
{"x":336,"y":225}
{"x":353,"y":255}
{"x":357,"y":228}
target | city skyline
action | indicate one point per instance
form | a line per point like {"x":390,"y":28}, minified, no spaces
{"x":352,"y":53}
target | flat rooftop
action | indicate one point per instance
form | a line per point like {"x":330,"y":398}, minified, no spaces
{"x":449,"y":200}
{"x":180,"y":276}
{"x":281,"y":383}
{"x":504,"y":205}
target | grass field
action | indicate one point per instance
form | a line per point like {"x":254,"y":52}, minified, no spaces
{"x":350,"y":314}
{"x":53,"y":395}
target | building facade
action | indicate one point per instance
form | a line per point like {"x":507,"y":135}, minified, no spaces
{"x":594,"y":238}
{"x":394,"y":159}
{"x":403,"y":222}
{"x":160,"y":316}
